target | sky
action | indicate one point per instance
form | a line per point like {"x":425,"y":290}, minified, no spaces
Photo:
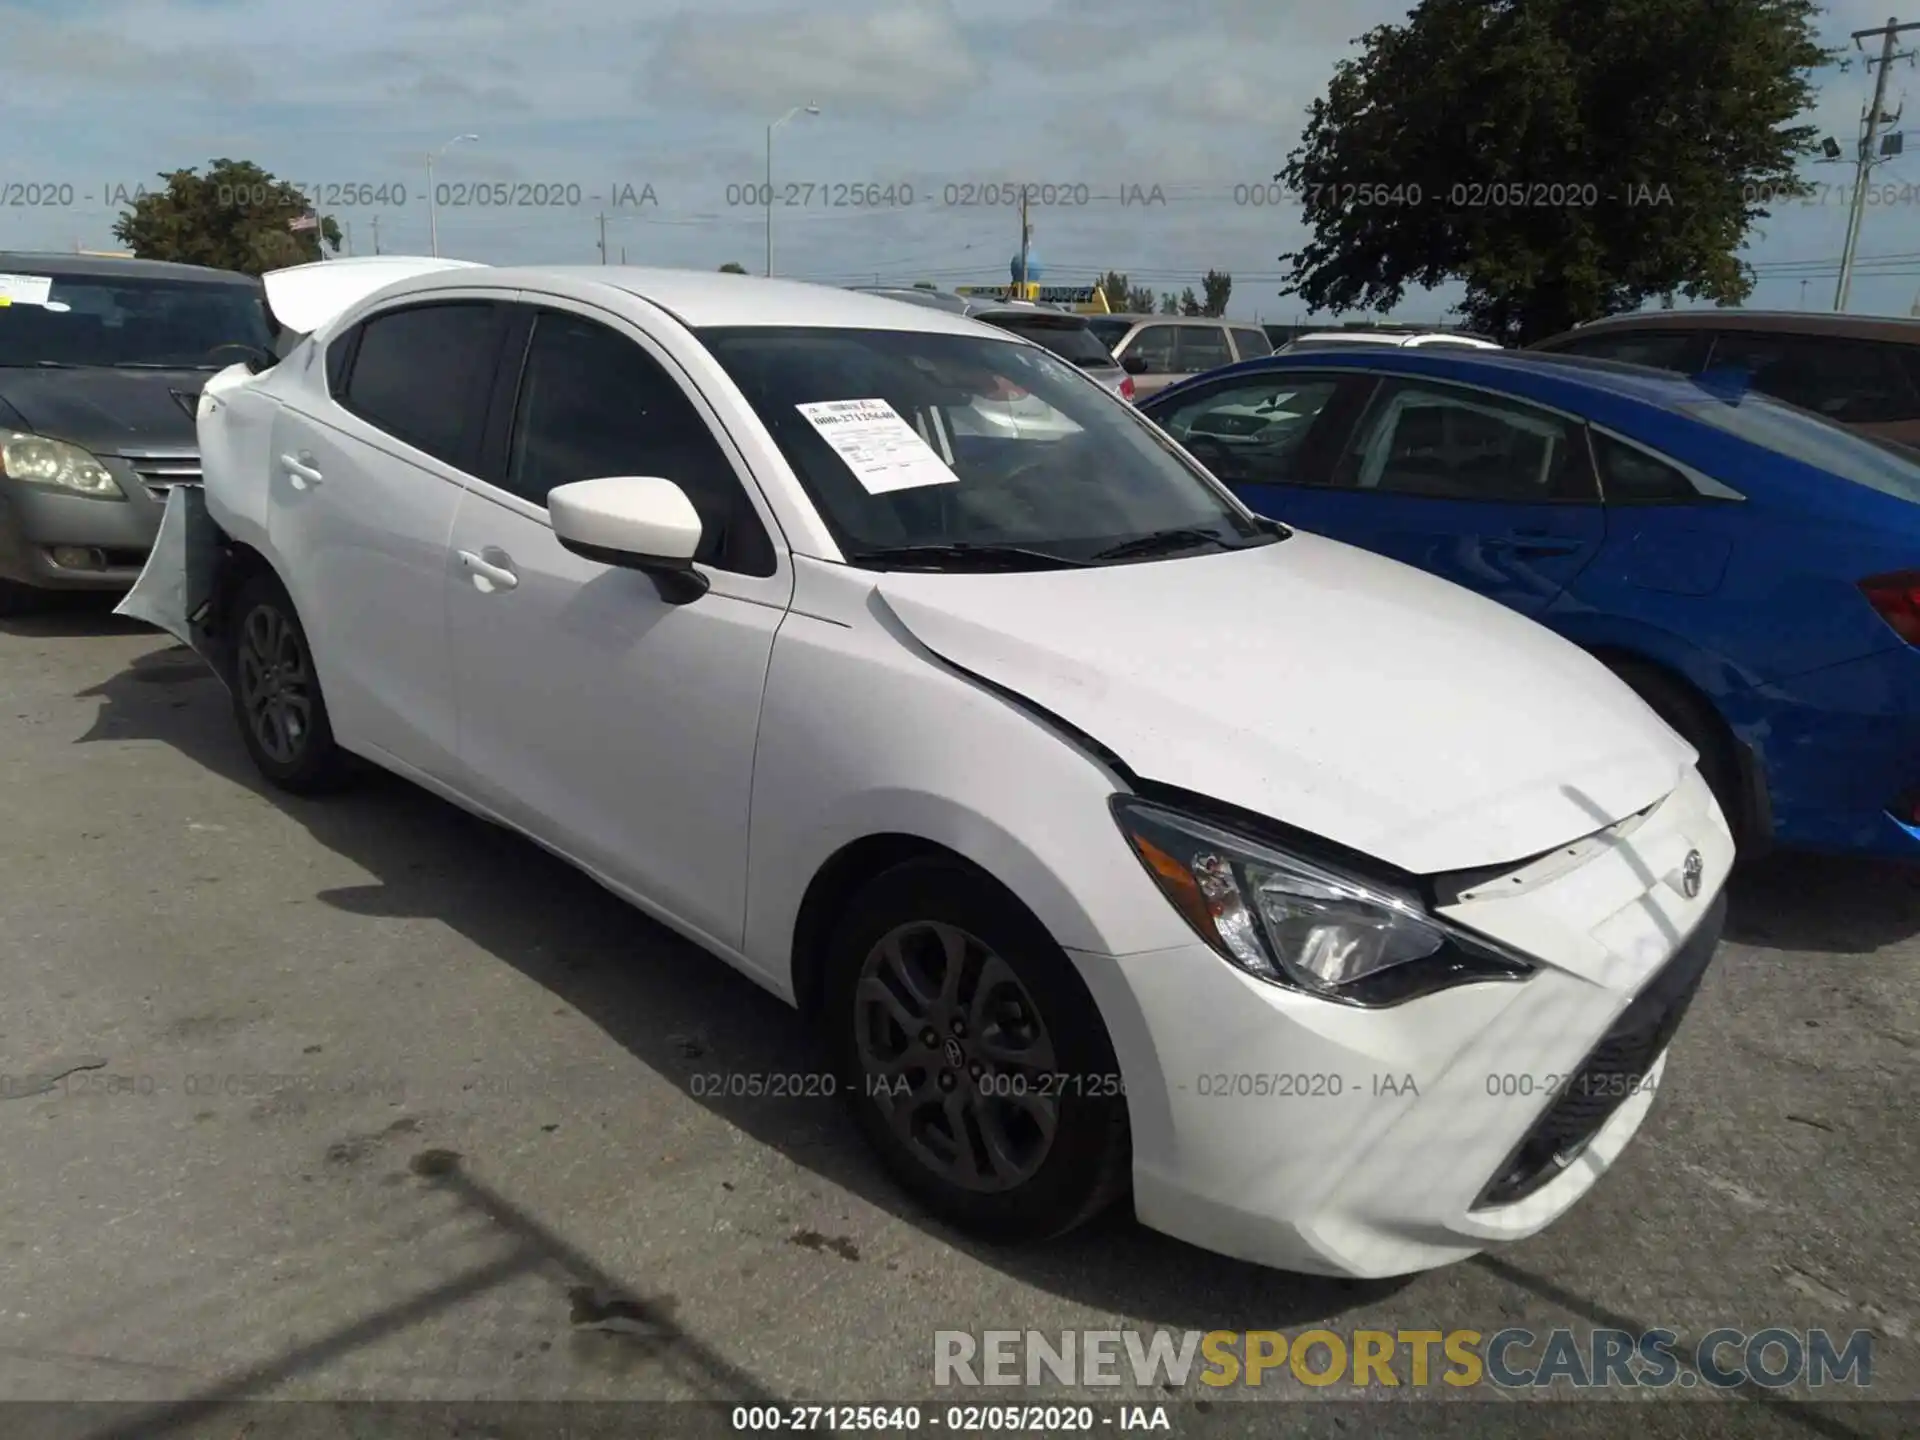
{"x":1151,"y":132}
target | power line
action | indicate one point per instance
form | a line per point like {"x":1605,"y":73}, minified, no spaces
{"x":1866,"y":160}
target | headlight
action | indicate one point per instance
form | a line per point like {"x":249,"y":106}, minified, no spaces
{"x":1302,"y":923}
{"x":40,"y":461}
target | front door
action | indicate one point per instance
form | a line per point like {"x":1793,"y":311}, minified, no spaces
{"x":614,"y":726}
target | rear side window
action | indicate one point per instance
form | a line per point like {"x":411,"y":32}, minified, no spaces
{"x":1632,"y":476}
{"x":421,"y":374}
{"x":1250,"y":342}
{"x":1851,"y":382}
{"x":1073,"y":341}
{"x":1890,"y":469}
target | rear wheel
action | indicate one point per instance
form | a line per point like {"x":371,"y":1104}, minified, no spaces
{"x":972,"y":1055}
{"x":276,"y":694}
{"x":1696,"y":722}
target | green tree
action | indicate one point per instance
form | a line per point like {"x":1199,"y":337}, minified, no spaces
{"x":1116,"y":288}
{"x":733,"y":267}
{"x":925,"y":285}
{"x":1189,"y":305}
{"x":234,"y":217}
{"x":1562,"y":159}
{"x":1140,"y":300}
{"x":1216,"y":286}
{"x":1169,"y":304}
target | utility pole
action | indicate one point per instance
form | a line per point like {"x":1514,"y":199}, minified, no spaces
{"x":346,"y":230}
{"x":623,"y":255}
{"x":376,"y":234}
{"x":1026,"y":238}
{"x":1863,"y":166}
{"x":603,"y":237}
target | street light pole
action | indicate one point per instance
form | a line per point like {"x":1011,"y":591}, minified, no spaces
{"x":796,"y":110}
{"x":433,"y":206}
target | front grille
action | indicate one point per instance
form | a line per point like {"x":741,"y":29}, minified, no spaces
{"x":1612,"y":1073}
{"x":160,"y":471}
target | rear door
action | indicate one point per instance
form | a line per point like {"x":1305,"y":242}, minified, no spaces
{"x":1201,"y":348}
{"x":364,"y":486}
{"x":1492,"y":493}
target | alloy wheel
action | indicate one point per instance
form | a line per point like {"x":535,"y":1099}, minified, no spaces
{"x":275,"y":683}
{"x":956,"y":1056}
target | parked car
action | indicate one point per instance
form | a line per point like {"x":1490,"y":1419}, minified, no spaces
{"x":1158,"y":350}
{"x":1408,"y":338}
{"x":1056,"y":788}
{"x":1861,"y":371}
{"x":1749,"y":568}
{"x":1069,"y":336}
{"x":101,"y":363}
{"x":914,"y":295}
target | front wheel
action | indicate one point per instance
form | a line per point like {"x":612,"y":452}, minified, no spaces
{"x":276,"y":694}
{"x":973,"y":1056}
{"x":1696,"y":722}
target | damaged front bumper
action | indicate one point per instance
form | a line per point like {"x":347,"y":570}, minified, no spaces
{"x":180,"y":582}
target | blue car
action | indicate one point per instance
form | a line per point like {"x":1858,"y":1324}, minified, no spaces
{"x":1752,"y":570}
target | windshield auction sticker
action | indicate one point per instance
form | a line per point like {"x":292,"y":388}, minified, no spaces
{"x":25,"y":289}
{"x":883,"y":451}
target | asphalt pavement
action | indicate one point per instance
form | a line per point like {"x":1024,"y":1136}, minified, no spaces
{"x":363,"y":1098}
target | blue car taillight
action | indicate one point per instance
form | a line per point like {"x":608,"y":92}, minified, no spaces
{"x":1896,"y":599}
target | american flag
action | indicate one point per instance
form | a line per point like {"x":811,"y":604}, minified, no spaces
{"x":308,"y":221}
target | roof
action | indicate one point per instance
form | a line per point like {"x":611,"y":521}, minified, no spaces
{"x":706,"y":298}
{"x":62,"y":262}
{"x":1135,"y":318}
{"x":1806,"y":322}
{"x":1548,"y":379}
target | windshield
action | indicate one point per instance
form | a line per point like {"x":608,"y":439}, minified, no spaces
{"x":1069,"y":339}
{"x":933,"y":451}
{"x":1803,"y":436}
{"x":109,"y":320}
{"x":1110,"y":332}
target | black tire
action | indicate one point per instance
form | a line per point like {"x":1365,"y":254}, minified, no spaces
{"x":281,"y":712}
{"x":1700,"y":726}
{"x":1086,"y":1162}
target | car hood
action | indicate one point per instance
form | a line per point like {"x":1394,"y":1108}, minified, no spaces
{"x":106,"y":411}
{"x":1328,"y":688}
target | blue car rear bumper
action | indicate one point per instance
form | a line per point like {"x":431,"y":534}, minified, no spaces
{"x":1838,"y":751}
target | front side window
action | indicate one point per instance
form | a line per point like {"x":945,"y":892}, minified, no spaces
{"x":129,"y":323}
{"x":1660,"y":349}
{"x":594,"y":404}
{"x":1852,"y":382}
{"x":1154,"y":344}
{"x":1201,"y":348}
{"x":937,"y":451}
{"x":1433,"y":440}
{"x":421,"y":375}
{"x":1255,"y":432}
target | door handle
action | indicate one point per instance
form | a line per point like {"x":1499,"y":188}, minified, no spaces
{"x":492,"y":570}
{"x":1536,"y":543}
{"x":300,"y":470}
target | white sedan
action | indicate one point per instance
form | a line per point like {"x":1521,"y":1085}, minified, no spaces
{"x":1110,"y":837}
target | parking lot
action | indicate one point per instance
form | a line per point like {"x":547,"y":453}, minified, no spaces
{"x":364,"y":1098}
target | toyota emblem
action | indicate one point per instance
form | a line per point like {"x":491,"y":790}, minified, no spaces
{"x":1690,"y":873}
{"x":956,"y":1056}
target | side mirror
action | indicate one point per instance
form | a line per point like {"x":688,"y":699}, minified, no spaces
{"x":1134,"y":364}
{"x":639,"y":523}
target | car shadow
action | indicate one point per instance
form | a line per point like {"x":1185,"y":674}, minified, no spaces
{"x":682,"y":1014}
{"x":60,"y":613}
{"x":1840,"y":904}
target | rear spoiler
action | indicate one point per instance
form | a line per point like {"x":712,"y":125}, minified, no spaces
{"x":305,"y":297}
